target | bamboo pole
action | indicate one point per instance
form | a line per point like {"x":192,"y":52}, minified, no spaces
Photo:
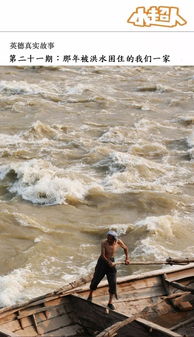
{"x":169,"y":261}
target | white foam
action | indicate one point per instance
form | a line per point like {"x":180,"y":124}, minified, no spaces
{"x":78,"y":272}
{"x":127,"y":171}
{"x":149,"y":149}
{"x":19,"y":88}
{"x":40,"y":182}
{"x":190,"y":139}
{"x":12,"y":287}
{"x":75,"y":90}
{"x":38,"y":135}
{"x":146,"y":125}
{"x":121,"y":229}
{"x":38,"y":239}
{"x":115,"y":135}
{"x":42,"y":132}
{"x":4,"y":169}
{"x":161,"y":226}
{"x":160,"y":237}
{"x":157,"y":252}
{"x":6,"y":139}
{"x":151,"y":129}
{"x":115,"y":161}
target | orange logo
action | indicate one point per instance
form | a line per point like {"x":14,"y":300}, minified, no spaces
{"x":156,"y":16}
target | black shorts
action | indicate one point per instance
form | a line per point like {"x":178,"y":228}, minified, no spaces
{"x":102,"y":269}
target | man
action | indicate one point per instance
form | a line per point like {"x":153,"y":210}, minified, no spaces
{"x":106,"y":265}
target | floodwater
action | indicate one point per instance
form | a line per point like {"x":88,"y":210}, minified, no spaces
{"x":88,"y":149}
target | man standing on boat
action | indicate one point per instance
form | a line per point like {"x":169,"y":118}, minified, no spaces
{"x":106,"y":265}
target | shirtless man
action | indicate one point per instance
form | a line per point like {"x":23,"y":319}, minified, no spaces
{"x":106,"y":265}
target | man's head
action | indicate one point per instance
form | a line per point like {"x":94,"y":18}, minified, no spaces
{"x":112,"y":236}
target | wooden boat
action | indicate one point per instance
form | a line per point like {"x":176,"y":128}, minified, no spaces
{"x":69,"y":315}
{"x":158,"y":303}
{"x":164,"y":296}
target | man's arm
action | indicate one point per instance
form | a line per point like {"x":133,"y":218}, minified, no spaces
{"x":125,"y":248}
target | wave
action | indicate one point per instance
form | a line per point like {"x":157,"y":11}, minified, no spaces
{"x":116,"y":135}
{"x":162,"y":236}
{"x":6,"y":139}
{"x":187,"y":120}
{"x":149,"y":149}
{"x":12,"y":286}
{"x":27,"y":221}
{"x":190,"y":139}
{"x":101,"y":230}
{"x":40,"y":130}
{"x":40,"y":182}
{"x":126,"y":171}
{"x":19,"y":88}
{"x":157,"y":88}
{"x":38,"y":135}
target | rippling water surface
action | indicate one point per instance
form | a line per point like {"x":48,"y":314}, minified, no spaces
{"x":86,"y":149}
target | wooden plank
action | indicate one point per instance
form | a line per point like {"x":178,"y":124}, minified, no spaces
{"x":42,"y":321}
{"x":24,"y":311}
{"x":110,"y":331}
{"x":55,"y":301}
{"x":7,"y":333}
{"x":41,"y":327}
{"x":94,"y":316}
{"x":176,"y":294}
{"x":153,"y":291}
{"x":7,"y":318}
{"x":16,"y":326}
{"x":167,"y":290}
{"x":158,"y":327}
{"x":11,"y":326}
{"x":180,"y":324}
{"x":54,"y":323}
{"x":125,"y":290}
{"x":54,"y":310}
{"x":129,"y":293}
{"x":125,"y":286}
{"x":40,"y":318}
{"x":180,"y":275}
{"x":130,"y":329}
{"x":140,"y":284}
{"x":184,"y":306}
{"x":29,"y":331}
{"x":131,"y":296}
{"x":72,"y":330}
{"x":180,"y":286}
{"x":30,"y":304}
{"x":51,"y":313}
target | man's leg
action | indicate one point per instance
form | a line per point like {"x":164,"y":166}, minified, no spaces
{"x":110,"y":298}
{"x":98,"y":276}
{"x":90,"y":296}
{"x":111,"y":276}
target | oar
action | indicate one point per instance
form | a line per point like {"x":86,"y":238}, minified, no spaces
{"x":170,"y":261}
